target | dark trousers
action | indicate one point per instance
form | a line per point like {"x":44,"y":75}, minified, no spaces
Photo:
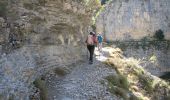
{"x":91,"y":51}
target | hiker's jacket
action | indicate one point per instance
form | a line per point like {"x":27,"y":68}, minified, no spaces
{"x":99,"y":38}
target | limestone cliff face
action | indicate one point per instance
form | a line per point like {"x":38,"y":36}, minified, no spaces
{"x":37,"y":36}
{"x":134,"y":19}
{"x":44,"y":22}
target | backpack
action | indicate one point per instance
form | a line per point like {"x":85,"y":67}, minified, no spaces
{"x":99,"y":38}
{"x":90,"y":40}
{"x":95,"y":39}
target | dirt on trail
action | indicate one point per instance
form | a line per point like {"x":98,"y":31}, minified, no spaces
{"x":82,"y":82}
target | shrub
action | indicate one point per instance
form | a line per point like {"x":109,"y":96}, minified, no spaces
{"x":93,"y":27}
{"x":40,"y":84}
{"x":103,"y":2}
{"x":28,"y":6}
{"x":119,"y":80}
{"x":118,"y":91}
{"x":147,"y":83}
{"x":159,"y":34}
{"x":118,"y":85}
{"x":3,"y":8}
{"x":60,"y":72}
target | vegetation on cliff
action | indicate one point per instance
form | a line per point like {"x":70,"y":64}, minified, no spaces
{"x":132,"y":81}
{"x":56,"y":30}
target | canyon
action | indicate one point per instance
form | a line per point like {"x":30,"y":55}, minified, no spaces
{"x":43,"y":53}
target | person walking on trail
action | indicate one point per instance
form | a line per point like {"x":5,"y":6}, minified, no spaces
{"x":91,"y":42}
{"x":100,"y":40}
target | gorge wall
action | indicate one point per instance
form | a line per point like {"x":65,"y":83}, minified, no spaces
{"x":134,"y":19}
{"x":131,"y":25}
{"x":37,"y":36}
{"x":154,"y":56}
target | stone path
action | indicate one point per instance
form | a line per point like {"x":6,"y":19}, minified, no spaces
{"x":84,"y":82}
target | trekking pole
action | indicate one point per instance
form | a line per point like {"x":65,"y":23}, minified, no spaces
{"x":87,"y":54}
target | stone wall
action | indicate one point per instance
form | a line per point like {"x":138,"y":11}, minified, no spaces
{"x":37,"y":36}
{"x":154,"y":56}
{"x":134,"y":19}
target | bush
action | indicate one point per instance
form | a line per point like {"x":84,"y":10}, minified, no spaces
{"x":93,"y":27}
{"x":115,"y":86}
{"x":159,"y":34}
{"x":147,"y":83}
{"x":103,"y":2}
{"x":3,"y":8}
{"x":119,"y":81}
{"x":118,"y":85}
{"x":40,"y":84}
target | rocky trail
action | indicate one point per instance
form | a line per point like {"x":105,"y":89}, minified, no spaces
{"x":83,"y":82}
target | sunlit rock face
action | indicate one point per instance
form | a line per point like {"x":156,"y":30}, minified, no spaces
{"x":134,"y":19}
{"x":37,"y":36}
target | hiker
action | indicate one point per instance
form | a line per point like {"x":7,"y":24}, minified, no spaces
{"x":91,"y":41}
{"x":100,"y":40}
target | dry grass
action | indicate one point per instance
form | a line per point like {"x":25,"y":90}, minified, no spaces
{"x":132,"y":78}
{"x":118,"y":85}
{"x":60,"y":72}
{"x":40,"y":84}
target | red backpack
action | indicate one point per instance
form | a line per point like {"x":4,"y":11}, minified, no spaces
{"x":91,"y":40}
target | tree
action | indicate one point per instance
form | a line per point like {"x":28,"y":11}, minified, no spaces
{"x":103,"y":2}
{"x":159,"y":34}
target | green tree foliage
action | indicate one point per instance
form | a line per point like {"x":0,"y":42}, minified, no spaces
{"x":159,"y":34}
{"x":103,"y":2}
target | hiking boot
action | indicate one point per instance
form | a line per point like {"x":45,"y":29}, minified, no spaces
{"x":90,"y":62}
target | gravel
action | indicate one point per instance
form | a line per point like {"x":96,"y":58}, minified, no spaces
{"x":83,"y":82}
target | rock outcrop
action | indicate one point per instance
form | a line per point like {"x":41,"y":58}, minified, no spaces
{"x":37,"y":36}
{"x":134,"y":19}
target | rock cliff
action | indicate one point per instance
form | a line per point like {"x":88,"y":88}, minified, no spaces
{"x":37,"y":36}
{"x":132,"y":24}
{"x":134,"y":19}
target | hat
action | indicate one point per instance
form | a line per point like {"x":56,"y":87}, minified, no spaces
{"x":91,"y":33}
